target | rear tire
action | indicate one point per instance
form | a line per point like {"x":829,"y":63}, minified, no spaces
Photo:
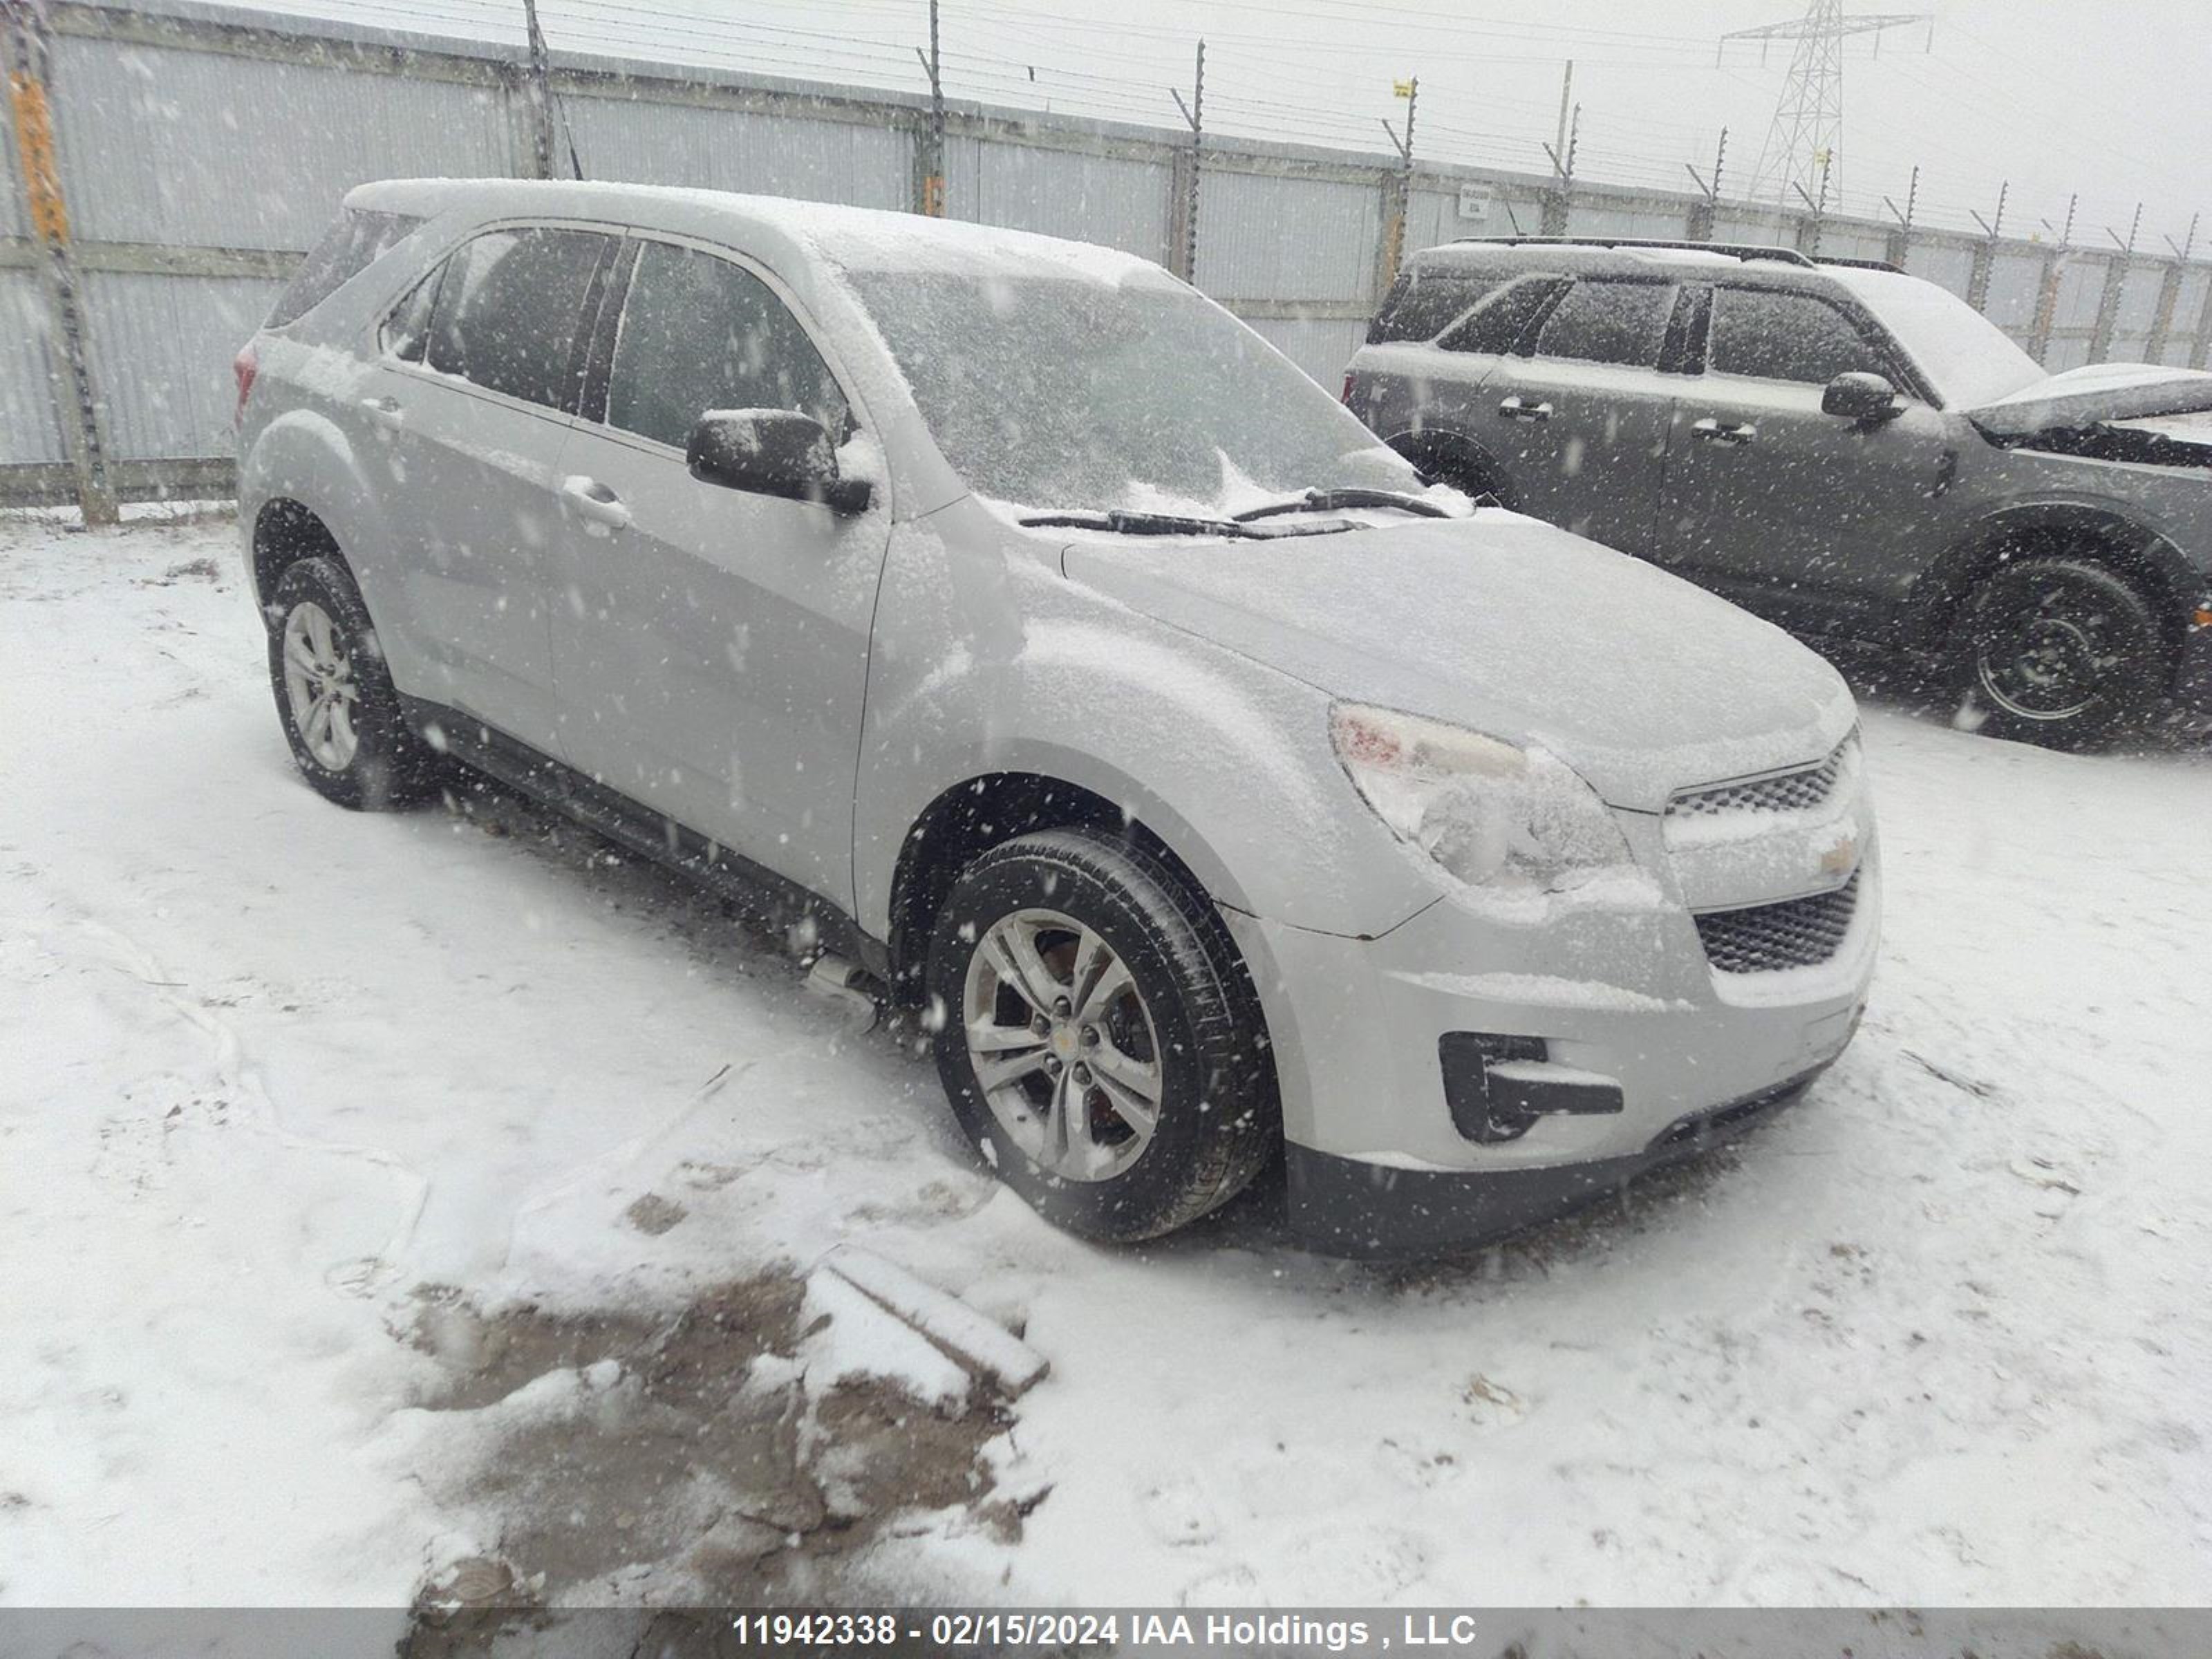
{"x":2061,"y":652}
{"x":334,"y":695}
{"x":1130,"y":1087}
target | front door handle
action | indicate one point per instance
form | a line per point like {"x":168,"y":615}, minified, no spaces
{"x":385,"y":411}
{"x":594,"y":501}
{"x":1719,"y":432}
{"x":1520,"y":408}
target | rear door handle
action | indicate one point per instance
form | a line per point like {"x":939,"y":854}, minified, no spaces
{"x":386,"y":412}
{"x":594,"y":501}
{"x":1520,"y":408}
{"x":1716,"y":432}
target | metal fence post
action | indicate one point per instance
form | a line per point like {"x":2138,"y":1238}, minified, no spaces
{"x":2199,"y":352}
{"x":2046,"y":305}
{"x":2161,"y":325}
{"x":1183,"y":172}
{"x":77,"y":398}
{"x":1978,"y":277}
{"x":2108,"y":309}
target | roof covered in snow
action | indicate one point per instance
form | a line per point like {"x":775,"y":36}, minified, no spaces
{"x":852,"y":238}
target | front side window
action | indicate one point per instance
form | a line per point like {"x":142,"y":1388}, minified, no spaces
{"x":699,"y":333}
{"x":509,"y":309}
{"x":1774,"y":335}
{"x":1607,"y":322}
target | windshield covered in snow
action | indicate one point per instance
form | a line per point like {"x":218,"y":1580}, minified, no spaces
{"x":1968,"y":359}
{"x":1066,"y":391}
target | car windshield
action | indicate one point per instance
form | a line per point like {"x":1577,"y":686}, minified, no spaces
{"x":1067,"y":391}
{"x":1968,"y":359}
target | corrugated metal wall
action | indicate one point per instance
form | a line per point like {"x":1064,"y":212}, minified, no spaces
{"x":202,"y":149}
{"x":30,"y":432}
{"x":621,"y":136}
{"x":1666,"y":222}
{"x":165,"y":346}
{"x":1121,"y":202}
{"x":1271,"y":237}
{"x":1945,"y":263}
{"x":194,"y":149}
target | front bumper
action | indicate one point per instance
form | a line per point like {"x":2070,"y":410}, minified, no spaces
{"x":1351,"y":1209}
{"x":1617,"y":998}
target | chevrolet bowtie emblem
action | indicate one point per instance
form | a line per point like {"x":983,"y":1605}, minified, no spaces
{"x":1838,"y":859}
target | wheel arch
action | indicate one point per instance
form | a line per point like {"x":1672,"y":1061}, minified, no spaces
{"x":2101,"y":535}
{"x":303,"y":487}
{"x":285,"y":531}
{"x":1432,"y":447}
{"x":990,"y":808}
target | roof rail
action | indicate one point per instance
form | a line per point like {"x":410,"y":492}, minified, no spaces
{"x":1788,"y":256}
{"x":1860,"y":265}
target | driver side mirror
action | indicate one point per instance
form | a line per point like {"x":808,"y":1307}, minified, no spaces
{"x":772,"y":452}
{"x":1862,"y":396}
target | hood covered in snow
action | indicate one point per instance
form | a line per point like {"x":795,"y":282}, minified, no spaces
{"x":2097,"y":392}
{"x":1642,"y":682}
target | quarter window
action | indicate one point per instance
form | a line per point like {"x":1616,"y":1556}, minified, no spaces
{"x":408,"y":327}
{"x":700,"y":333}
{"x":508,"y":310}
{"x":1602,"y":322}
{"x":354,"y":241}
{"x":1423,"y":301}
{"x":1775,"y":334}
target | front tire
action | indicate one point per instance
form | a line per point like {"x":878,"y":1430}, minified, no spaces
{"x":2061,"y":652}
{"x":334,"y":695}
{"x":1099,"y":1040}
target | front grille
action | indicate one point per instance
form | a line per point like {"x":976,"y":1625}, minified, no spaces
{"x":1796,"y":933}
{"x":1793,"y":792}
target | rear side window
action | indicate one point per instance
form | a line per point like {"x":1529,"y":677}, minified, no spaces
{"x":1505,"y":316}
{"x":1778,"y":335}
{"x":1607,"y":322}
{"x":508,"y":309}
{"x":1422,"y":303}
{"x":699,"y":333}
{"x":354,"y":241}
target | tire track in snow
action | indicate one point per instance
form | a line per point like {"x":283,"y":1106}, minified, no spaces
{"x":237,"y":1072}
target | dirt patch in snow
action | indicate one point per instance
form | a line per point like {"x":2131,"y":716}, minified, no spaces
{"x":643,"y":1458}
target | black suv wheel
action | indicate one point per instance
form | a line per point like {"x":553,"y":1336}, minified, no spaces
{"x":2061,"y":652}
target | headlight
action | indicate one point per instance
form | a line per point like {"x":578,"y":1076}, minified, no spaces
{"x":1493,"y":814}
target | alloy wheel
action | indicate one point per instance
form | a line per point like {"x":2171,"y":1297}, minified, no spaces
{"x":1063,"y":1045}
{"x":319,"y":686}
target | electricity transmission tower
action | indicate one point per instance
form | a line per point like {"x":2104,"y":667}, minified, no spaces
{"x":1803,"y":149}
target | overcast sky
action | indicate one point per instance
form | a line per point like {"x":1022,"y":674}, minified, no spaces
{"x":2058,"y":96}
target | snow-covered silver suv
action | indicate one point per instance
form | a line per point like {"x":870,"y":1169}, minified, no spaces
{"x":1847,"y":449}
{"x":1022,"y":627}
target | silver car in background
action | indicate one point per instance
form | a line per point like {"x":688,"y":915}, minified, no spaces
{"x":1849,"y":450}
{"x":1015,"y":623}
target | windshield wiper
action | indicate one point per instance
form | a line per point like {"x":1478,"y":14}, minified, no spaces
{"x":1124,"y":523}
{"x":1336,"y":501}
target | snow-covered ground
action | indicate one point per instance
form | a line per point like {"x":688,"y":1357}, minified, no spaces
{"x":297,"y":1106}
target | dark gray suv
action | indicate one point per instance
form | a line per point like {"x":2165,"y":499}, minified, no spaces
{"x":1848,"y":450}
